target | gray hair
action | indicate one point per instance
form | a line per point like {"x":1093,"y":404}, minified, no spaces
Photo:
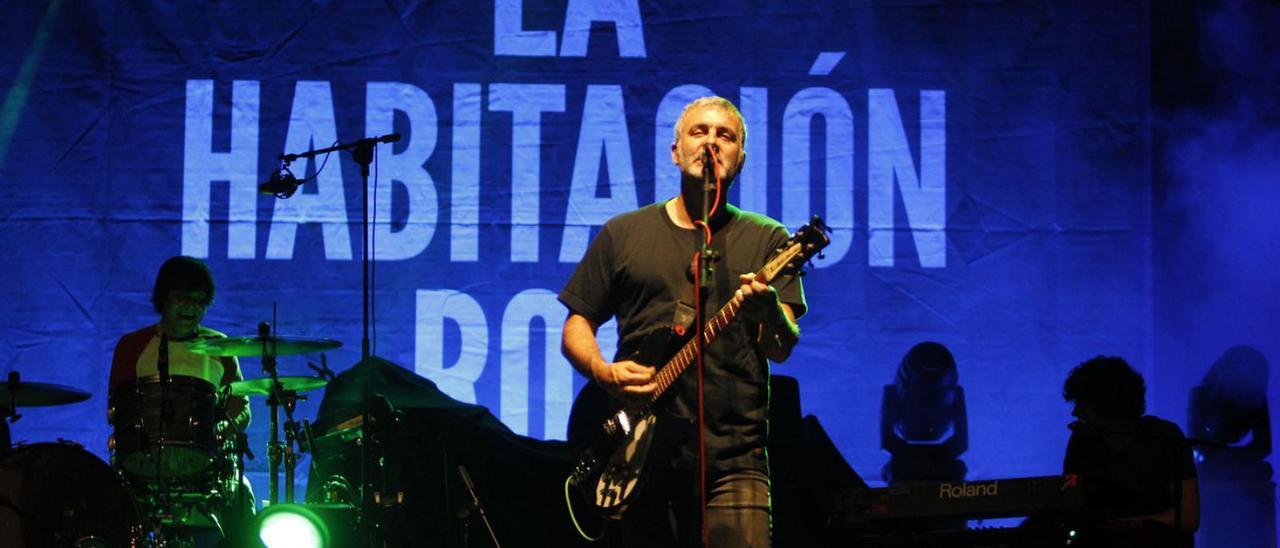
{"x":713,"y":101}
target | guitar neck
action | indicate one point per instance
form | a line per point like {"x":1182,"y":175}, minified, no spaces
{"x":689,"y":352}
{"x":796,"y":249}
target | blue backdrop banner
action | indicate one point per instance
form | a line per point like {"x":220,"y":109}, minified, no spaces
{"x":985,"y":169}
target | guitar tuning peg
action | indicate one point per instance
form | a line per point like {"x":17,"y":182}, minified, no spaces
{"x":817,"y":221}
{"x":822,"y":255}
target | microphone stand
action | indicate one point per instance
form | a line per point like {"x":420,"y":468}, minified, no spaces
{"x":362,"y":153}
{"x":706,"y":269}
{"x":474,"y":506}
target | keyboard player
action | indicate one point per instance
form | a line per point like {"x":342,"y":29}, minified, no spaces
{"x":1135,"y":470}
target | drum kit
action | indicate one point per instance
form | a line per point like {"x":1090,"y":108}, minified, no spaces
{"x":177,"y":463}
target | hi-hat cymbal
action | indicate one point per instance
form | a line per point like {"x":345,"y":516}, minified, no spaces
{"x":262,"y":387}
{"x":253,"y":346}
{"x":39,"y":394}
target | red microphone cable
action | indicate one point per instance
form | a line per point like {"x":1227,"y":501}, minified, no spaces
{"x":700,"y":313}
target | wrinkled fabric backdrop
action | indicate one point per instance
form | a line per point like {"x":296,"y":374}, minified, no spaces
{"x":986,"y":169}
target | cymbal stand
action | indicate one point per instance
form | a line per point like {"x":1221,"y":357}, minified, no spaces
{"x":241,"y":449}
{"x":290,"y":398}
{"x":9,"y":412}
{"x":278,"y":451}
{"x":273,"y":446}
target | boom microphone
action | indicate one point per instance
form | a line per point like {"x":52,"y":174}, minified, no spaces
{"x":282,"y":183}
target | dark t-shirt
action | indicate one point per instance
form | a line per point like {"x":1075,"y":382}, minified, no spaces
{"x":637,"y":270}
{"x":1129,"y":475}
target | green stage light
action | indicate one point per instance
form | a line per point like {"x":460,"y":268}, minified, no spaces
{"x":292,"y":526}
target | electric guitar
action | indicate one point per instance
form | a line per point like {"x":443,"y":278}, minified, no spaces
{"x":612,"y":470}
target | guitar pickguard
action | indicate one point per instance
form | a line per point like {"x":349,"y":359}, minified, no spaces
{"x":621,"y":475}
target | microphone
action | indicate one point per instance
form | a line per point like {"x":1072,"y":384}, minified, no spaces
{"x":162,"y":358}
{"x":282,"y":183}
{"x":708,"y":170}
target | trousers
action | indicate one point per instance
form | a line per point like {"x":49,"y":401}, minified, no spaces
{"x":738,"y":515}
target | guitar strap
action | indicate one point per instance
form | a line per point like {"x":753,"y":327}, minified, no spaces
{"x":682,"y":319}
{"x":685,"y":314}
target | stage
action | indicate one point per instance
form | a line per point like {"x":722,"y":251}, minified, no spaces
{"x":1028,"y":185}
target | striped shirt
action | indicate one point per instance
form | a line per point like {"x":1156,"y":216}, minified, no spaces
{"x":137,"y":355}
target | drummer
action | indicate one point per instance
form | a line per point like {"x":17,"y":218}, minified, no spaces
{"x":182,"y":294}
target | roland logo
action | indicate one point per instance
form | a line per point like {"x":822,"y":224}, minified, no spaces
{"x":968,"y":490}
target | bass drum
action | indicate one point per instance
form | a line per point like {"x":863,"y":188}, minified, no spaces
{"x":58,"y":494}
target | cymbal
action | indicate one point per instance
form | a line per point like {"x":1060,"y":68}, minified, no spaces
{"x":252,"y":346}
{"x":39,"y":394}
{"x":262,"y":387}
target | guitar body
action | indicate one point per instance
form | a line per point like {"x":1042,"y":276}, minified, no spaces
{"x":632,"y":447}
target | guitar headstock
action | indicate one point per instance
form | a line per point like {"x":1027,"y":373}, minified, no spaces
{"x":807,"y":242}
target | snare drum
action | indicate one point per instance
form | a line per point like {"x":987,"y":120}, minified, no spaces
{"x":180,"y":443}
{"x":58,"y":494}
{"x":190,"y":502}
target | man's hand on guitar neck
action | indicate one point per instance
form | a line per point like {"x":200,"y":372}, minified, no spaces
{"x":626,"y":381}
{"x":759,"y":300}
{"x":760,"y":305}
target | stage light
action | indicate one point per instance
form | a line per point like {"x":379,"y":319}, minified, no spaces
{"x":923,"y":422}
{"x":1229,"y":406}
{"x":1230,"y":409}
{"x":926,"y":389}
{"x":292,"y":526}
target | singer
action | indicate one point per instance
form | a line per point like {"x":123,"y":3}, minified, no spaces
{"x":637,"y":270}
{"x":1135,"y":469}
